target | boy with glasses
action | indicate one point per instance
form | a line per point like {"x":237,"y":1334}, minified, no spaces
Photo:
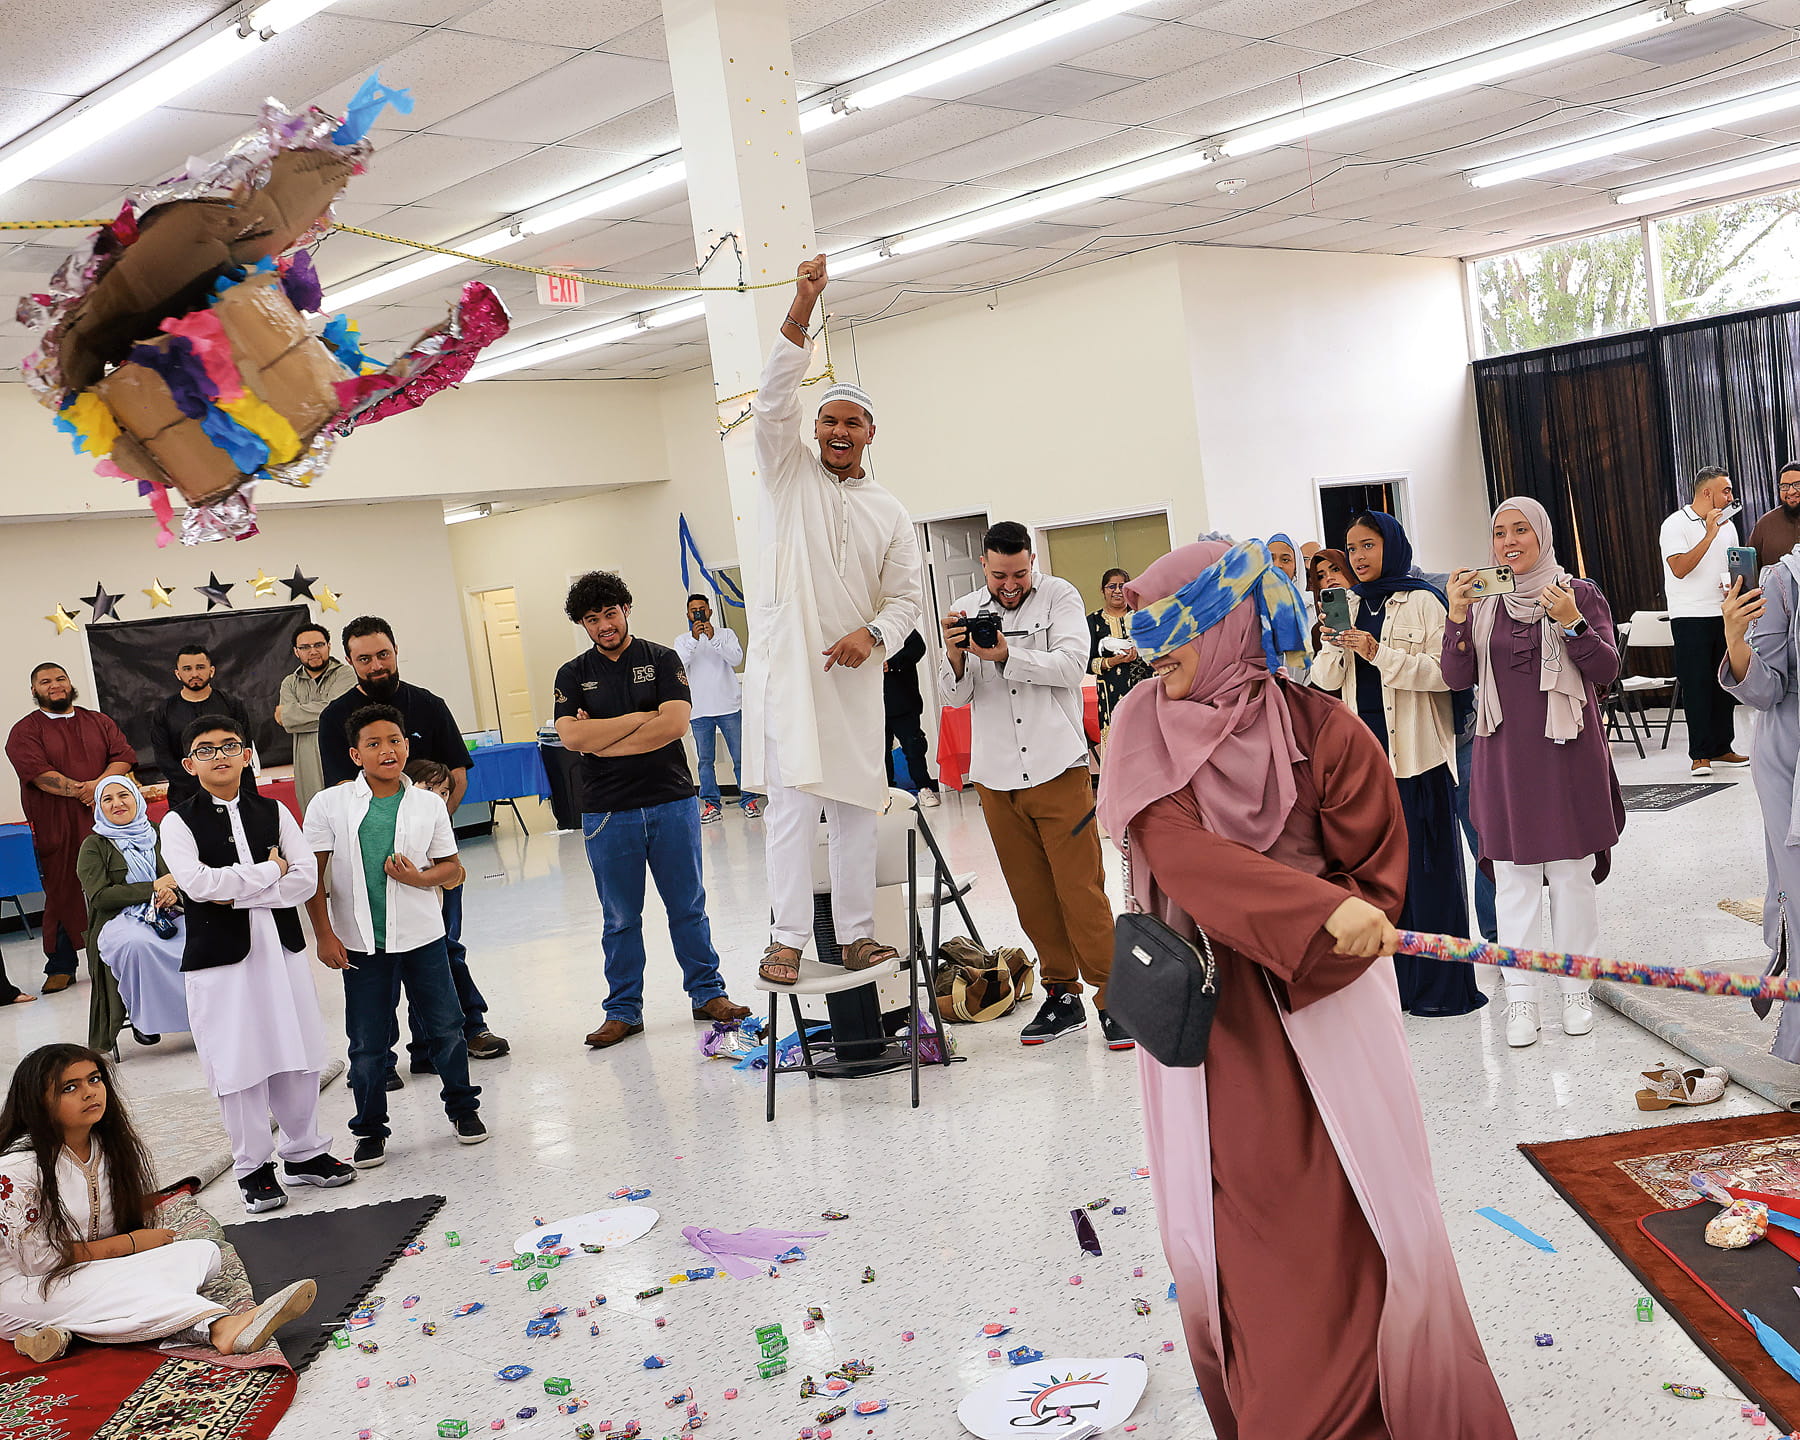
{"x":1778,"y":532}
{"x":243,"y":865}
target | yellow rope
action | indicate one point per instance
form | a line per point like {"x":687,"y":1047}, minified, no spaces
{"x":52,"y":224}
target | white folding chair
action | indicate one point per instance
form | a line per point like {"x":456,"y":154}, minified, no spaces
{"x":1649,"y":630}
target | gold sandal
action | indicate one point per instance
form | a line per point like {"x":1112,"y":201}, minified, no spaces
{"x":867,"y":954}
{"x":773,"y":960}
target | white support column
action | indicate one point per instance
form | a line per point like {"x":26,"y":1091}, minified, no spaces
{"x":732,"y":63}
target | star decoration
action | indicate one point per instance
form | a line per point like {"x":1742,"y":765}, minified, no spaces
{"x":160,"y":594}
{"x":300,"y":587}
{"x":263,"y":585}
{"x":327,"y":598}
{"x":103,"y":605}
{"x":62,"y":620}
{"x":215,"y":593}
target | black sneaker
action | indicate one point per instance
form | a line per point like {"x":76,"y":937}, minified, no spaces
{"x":322,"y":1170}
{"x":371,"y":1151}
{"x":420,"y":1066}
{"x":143,"y":1039}
{"x":261,"y":1192}
{"x":1062,"y":1013}
{"x":470,"y":1130}
{"x":488,"y":1046}
{"x":393,"y":1081}
{"x":1115,"y":1033}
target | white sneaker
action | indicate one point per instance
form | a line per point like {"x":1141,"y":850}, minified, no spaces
{"x":928,"y":800}
{"x":1578,"y":1012}
{"x":1521,"y":1022}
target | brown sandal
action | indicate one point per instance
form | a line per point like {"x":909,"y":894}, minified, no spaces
{"x":867,"y":954}
{"x":775,"y":959}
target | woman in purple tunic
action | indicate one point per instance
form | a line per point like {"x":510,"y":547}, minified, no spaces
{"x":1545,"y":800}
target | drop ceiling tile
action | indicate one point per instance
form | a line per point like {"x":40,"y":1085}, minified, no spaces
{"x":1040,"y":235}
{"x":937,"y":129}
{"x":75,"y":46}
{"x":1465,"y":28}
{"x":865,"y":195}
{"x":1257,"y":19}
{"x":21,"y":110}
{"x":1115,"y":213}
{"x":601,"y":246}
{"x":940,"y":204}
{"x":531,"y":179}
{"x":59,"y":200}
{"x":1054,"y":90}
{"x":327,"y":51}
{"x":648,"y":130}
{"x":1570,"y":79}
{"x":1072,"y":51}
{"x":895,"y":30}
{"x":649,"y":41}
{"x":806,"y":16}
{"x":408,"y":12}
{"x":426,"y":164}
{"x":1006,"y":149}
{"x":567,"y":100}
{"x":146,"y":153}
{"x":859,"y":124}
{"x":578,"y":24}
{"x":340,"y":257}
{"x":1168,"y":46}
{"x":447,"y":71}
{"x":1307,"y":75}
{"x":1115,"y":149}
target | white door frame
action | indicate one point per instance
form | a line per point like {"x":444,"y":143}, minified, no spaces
{"x":1398,"y":479}
{"x":1133,"y":512}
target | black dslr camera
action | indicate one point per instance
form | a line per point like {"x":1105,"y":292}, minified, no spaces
{"x":982,"y":630}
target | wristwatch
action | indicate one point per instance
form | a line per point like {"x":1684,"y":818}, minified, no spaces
{"x":875,"y":631}
{"x":1577,"y":630}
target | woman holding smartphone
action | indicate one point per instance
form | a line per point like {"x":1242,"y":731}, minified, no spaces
{"x":1545,"y":800}
{"x":1386,"y":666}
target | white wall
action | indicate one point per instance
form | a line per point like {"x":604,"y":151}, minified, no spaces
{"x":1308,"y":364}
{"x":391,"y":560}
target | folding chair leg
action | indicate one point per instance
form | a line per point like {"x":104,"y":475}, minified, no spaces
{"x":1669,"y":719}
{"x":774,"y":1016}
{"x":806,"y":1055}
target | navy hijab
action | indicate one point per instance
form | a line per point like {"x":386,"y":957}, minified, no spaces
{"x":1396,"y":575}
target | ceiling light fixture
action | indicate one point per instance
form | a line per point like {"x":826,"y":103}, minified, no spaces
{"x":470,"y":512}
{"x":141,"y":89}
{"x":1713,"y":175}
{"x":1632,"y":137}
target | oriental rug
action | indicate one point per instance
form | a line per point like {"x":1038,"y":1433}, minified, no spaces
{"x":1614,"y":1181}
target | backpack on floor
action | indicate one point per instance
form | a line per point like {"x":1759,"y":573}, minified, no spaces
{"x":975,"y":985}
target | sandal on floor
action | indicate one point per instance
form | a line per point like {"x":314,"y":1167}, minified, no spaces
{"x":866,"y":954}
{"x":777,"y":967}
{"x":1669,"y":1086}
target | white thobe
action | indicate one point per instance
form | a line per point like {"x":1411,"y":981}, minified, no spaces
{"x":836,"y":555}
{"x":119,"y":1301}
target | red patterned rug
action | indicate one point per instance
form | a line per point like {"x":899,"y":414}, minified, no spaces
{"x":132,"y":1392}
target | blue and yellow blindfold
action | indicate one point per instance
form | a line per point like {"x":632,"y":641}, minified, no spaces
{"x":1243,"y":573}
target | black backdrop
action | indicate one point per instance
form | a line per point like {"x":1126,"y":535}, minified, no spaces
{"x":134,"y":670}
{"x":1607,"y":434}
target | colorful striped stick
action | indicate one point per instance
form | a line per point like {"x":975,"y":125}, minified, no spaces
{"x":1587,"y":967}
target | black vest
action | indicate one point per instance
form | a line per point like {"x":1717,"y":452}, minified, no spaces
{"x":219,"y":934}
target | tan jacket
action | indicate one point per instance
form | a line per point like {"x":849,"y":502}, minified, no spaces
{"x":1421,"y":734}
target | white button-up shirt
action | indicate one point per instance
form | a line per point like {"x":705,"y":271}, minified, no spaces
{"x":1026,"y":726}
{"x":422,"y":833}
{"x":711,"y":662}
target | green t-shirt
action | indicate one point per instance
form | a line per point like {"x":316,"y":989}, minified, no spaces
{"x":376,"y":837}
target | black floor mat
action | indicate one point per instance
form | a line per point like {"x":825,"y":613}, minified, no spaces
{"x":345,"y":1251}
{"x":1669,"y":797}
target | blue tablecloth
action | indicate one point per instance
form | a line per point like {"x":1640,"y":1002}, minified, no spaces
{"x":18,"y":865}
{"x":507,"y":772}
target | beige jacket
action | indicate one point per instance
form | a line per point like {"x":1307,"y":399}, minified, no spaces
{"x":1421,"y":734}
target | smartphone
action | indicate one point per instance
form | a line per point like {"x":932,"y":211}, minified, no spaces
{"x":1334,"y":608}
{"x":1494,"y":580}
{"x":1744,"y":566}
{"x":1730,"y":512}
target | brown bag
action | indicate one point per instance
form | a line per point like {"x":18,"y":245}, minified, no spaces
{"x":974,"y":985}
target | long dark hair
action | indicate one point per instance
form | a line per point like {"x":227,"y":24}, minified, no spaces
{"x":27,"y":1122}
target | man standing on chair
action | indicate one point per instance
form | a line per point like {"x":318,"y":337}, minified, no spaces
{"x":838,"y":584}
{"x":1694,"y":541}
{"x":712,"y":657}
{"x":1021,"y":672}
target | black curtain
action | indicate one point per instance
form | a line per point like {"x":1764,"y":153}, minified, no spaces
{"x":252,"y":652}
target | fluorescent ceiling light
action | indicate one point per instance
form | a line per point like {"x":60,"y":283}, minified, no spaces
{"x":1713,"y":175}
{"x":1706,"y":7}
{"x":144,"y":87}
{"x":1482,"y":68}
{"x":1632,"y":137}
{"x":615,"y":190}
{"x":472,"y":512}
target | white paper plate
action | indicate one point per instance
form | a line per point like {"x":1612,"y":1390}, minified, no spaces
{"x":1025,"y":1398}
{"x":597,"y":1227}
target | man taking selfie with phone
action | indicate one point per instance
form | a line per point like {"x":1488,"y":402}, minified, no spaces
{"x":1695,"y":540}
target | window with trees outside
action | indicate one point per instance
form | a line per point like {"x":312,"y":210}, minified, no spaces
{"x":1661,"y":270}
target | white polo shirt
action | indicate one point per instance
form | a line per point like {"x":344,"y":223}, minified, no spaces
{"x":711,"y":662}
{"x":1697,"y":593}
{"x":422,"y":833}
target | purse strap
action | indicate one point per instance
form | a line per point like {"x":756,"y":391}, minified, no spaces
{"x":1131,"y":901}
{"x":1202,"y":943}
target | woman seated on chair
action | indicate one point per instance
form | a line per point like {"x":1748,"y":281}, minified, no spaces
{"x":134,"y":922}
{"x":76,"y":1254}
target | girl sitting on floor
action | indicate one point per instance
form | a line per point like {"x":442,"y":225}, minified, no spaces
{"x":75,"y":1255}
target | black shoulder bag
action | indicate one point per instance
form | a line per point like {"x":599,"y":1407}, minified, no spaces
{"x":1163,"y":989}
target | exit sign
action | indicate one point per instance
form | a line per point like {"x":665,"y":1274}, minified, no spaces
{"x":562,"y":290}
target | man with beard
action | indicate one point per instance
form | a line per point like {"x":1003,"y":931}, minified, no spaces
{"x":320,"y":678}
{"x":1029,"y":764}
{"x":61,"y":751}
{"x":1778,"y":532}
{"x":169,"y":722}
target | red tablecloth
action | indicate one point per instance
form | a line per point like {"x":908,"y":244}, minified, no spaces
{"x":282,"y":790}
{"x":953,"y":742}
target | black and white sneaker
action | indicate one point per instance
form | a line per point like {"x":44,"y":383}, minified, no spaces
{"x":1062,"y":1013}
{"x":470,"y":1130}
{"x":325,"y":1171}
{"x":1115,"y":1033}
{"x":261,"y":1192}
{"x":371,"y":1151}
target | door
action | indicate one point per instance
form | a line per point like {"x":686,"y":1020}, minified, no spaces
{"x":952,"y":563}
{"x":1081,"y":554}
{"x":1340,"y":502}
{"x":506,"y":664}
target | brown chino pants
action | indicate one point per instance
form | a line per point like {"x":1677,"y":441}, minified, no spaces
{"x":1055,"y":876}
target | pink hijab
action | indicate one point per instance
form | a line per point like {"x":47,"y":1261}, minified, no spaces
{"x":1230,"y":739}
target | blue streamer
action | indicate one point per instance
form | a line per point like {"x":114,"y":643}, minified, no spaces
{"x":1506,"y":1222}
{"x":245,"y":448}
{"x":1782,"y":1353}
{"x":371,"y":98}
{"x":715,"y":582}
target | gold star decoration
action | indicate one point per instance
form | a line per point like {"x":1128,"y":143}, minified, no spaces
{"x":263,"y":585}
{"x":62,"y":619}
{"x":327,"y":598}
{"x":159,"y":595}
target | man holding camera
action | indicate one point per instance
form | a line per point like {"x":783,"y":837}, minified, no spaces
{"x":1017,"y":652}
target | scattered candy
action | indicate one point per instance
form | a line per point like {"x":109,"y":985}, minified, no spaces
{"x":647,"y":1294}
{"x":572,"y":1404}
{"x":836,"y":1412}
{"x":1074,"y":1279}
{"x":1544,"y":1339}
{"x":550,"y":1261}
{"x":362,"y":1382}
{"x":512,"y":1372}
{"x":1100,"y":1204}
{"x":593,"y":1249}
{"x":1685,"y":1392}
{"x":833,"y":1215}
{"x":654,"y":1362}
{"x":702,"y":1272}
{"x":1024,"y":1355}
{"x":453,"y":1429}
{"x":731,"y":1394}
{"x":526,"y":1413}
{"x":594,"y":1327}
{"x":680,"y":1397}
{"x":429,"y":1327}
{"x":340,"y":1339}
{"x":808,"y":1324}
{"x":416,"y":1248}
{"x":584,"y":1431}
{"x":1137,"y":1272}
{"x":538,"y":1281}
{"x":906,"y":1335}
{"x":868,"y":1276}
{"x":661,"y":1320}
{"x":994,"y":1329}
{"x":814,"y":1312}
{"x":1168,"y":1347}
{"x":1646,"y":1308}
{"x":368,"y":1347}
{"x":452,"y":1239}
{"x":1141,"y":1307}
{"x":402,"y":1382}
{"x":808,"y":1388}
{"x":870,"y":1407}
{"x":468,"y":1307}
{"x":409,"y":1302}
{"x":545,"y":1327}
{"x":1118,"y":1210}
{"x":557,"y":1385}
{"x":994,"y":1357}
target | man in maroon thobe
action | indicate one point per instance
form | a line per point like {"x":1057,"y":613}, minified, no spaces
{"x":60,"y":751}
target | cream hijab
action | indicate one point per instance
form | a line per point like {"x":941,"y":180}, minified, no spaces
{"x":1560,"y":682}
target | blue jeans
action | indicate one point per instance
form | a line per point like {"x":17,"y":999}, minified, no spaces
{"x":665,"y":841}
{"x":371,"y":995}
{"x":1484,"y":882}
{"x":473,"y":1003}
{"x":707,"y":729}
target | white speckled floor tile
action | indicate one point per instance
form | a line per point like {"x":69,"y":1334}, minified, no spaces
{"x":961,"y":1207}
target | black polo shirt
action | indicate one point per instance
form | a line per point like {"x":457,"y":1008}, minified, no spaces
{"x":431,"y":731}
{"x":644,"y":677}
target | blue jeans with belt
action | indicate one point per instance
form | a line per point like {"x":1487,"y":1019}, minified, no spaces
{"x":663,"y":840}
{"x":371,"y":993}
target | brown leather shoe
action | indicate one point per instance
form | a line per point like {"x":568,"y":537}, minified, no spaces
{"x":55,"y":983}
{"x":721,"y":1008}
{"x":611,"y":1033}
